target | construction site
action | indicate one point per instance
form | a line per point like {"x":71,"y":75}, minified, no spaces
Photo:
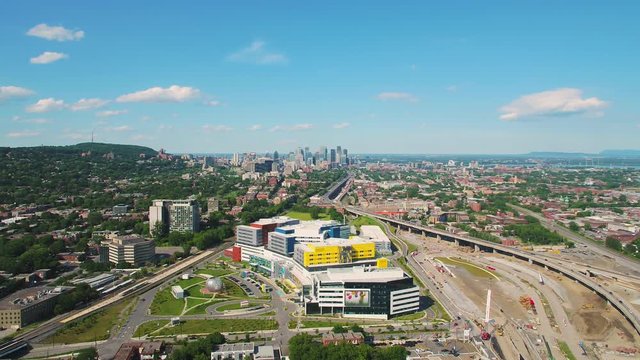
{"x":526,"y":310}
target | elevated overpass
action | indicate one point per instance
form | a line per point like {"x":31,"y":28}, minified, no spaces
{"x":613,"y":299}
{"x":335,"y":193}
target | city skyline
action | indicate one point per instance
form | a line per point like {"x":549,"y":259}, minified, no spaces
{"x":431,"y":79}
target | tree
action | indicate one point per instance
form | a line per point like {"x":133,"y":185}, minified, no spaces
{"x":613,"y":243}
{"x":574,"y":227}
{"x":587,"y":226}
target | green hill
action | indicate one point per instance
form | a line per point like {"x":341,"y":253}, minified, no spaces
{"x":97,"y":149}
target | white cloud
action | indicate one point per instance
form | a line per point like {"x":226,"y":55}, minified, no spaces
{"x":110,"y":113}
{"x":48,"y":57}
{"x":173,"y":93}
{"x":301,"y":127}
{"x":23,"y":133}
{"x":121,"y":128}
{"x":257,"y":53}
{"x":10,"y":92}
{"x":296,"y":127}
{"x":212,"y":103}
{"x":216,"y":128}
{"x":38,"y":121}
{"x":255,"y":127}
{"x":165,"y":127}
{"x":57,"y":33}
{"x":46,"y":105}
{"x":452,"y":88}
{"x":399,"y":96}
{"x":564,"y":101}
{"x":88,"y":104}
{"x":341,"y":125}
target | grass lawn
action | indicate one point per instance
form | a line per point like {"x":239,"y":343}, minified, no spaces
{"x":270,"y":313}
{"x":191,"y":302}
{"x":306,"y":216}
{"x":235,"y":306}
{"x":94,"y":327}
{"x":415,"y":316}
{"x":165,"y":304}
{"x":232,"y":289}
{"x":192,"y":281}
{"x":208,"y":326}
{"x":566,"y":351}
{"x":471,"y":268}
{"x":365,"y":220}
{"x":149,"y":326}
{"x":202,"y":308}
{"x":215,"y":272}
{"x":321,"y":323}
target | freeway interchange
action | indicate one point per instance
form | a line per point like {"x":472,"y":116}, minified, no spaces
{"x":613,"y":298}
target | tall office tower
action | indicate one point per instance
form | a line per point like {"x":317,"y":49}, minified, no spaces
{"x":345,"y":156}
{"x":339,"y":154}
{"x":307,"y":153}
{"x":179,"y":215}
{"x":332,"y":158}
{"x":323,"y":153}
{"x":235,"y":161}
{"x":275,"y":155}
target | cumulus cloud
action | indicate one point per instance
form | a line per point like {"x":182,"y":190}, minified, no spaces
{"x":255,"y":127}
{"x":88,"y":104}
{"x":23,"y":133}
{"x":48,"y":57}
{"x":341,"y":125}
{"x":173,"y":93}
{"x":295,"y":127}
{"x":257,"y":53}
{"x":57,"y":33}
{"x":396,"y":96}
{"x":110,"y":113}
{"x":212,"y":103}
{"x":121,"y":128}
{"x":301,"y":127}
{"x":564,"y":101}
{"x":216,"y":128}
{"x":38,"y":121}
{"x":46,"y":105}
{"x":10,"y":92}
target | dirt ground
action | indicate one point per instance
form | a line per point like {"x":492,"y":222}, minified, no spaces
{"x":475,"y":287}
{"x":597,"y":321}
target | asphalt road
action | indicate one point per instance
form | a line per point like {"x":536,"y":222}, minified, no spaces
{"x":596,"y":247}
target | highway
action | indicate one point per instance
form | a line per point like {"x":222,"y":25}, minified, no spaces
{"x":594,"y":246}
{"x":627,"y":310}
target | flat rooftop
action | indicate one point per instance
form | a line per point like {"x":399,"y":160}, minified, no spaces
{"x":274,"y":220}
{"x":335,"y":242}
{"x":374,"y":232}
{"x":361,"y":273}
{"x":129,"y":240}
{"x":29,"y":297}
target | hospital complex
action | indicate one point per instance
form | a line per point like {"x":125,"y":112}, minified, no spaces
{"x":336,"y":270}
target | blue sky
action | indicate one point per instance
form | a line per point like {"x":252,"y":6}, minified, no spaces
{"x":372,"y":76}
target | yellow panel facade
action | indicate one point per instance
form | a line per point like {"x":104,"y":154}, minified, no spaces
{"x":335,"y":254}
{"x":382,"y":263}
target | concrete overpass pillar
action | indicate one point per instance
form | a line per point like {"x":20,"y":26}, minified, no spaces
{"x":438,"y":237}
{"x":530,"y":262}
{"x":476,"y":247}
{"x":457,"y":242}
{"x":424,"y":233}
{"x":495,"y":251}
